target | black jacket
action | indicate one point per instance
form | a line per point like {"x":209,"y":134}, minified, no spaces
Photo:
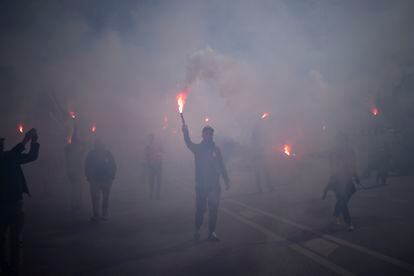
{"x":209,"y":165}
{"x":12,"y":181}
{"x":100,"y":166}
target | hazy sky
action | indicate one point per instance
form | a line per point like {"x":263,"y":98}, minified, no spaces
{"x":122,"y":62}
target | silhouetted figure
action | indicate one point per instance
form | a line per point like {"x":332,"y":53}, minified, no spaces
{"x":12,"y":187}
{"x":343,"y":175}
{"x":74,"y":157}
{"x":209,"y":166}
{"x":153,"y":160}
{"x":100,"y":170}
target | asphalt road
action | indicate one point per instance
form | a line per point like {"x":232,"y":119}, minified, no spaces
{"x":284,"y":232}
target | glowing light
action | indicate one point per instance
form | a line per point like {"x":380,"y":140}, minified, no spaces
{"x":206,"y":120}
{"x":21,"y":128}
{"x":181,"y":98}
{"x":70,"y":140}
{"x":375,"y":111}
{"x":287,"y":150}
{"x":93,"y":128}
{"x":72,"y":114}
{"x":265,"y":115}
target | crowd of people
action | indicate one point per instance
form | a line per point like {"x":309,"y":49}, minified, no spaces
{"x":98,"y":168}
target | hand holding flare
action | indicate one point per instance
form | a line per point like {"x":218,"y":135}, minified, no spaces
{"x":181,"y":98}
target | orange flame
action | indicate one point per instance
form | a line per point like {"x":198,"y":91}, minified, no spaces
{"x":265,"y":115}
{"x":21,"y":128}
{"x":181,"y":98}
{"x":375,"y":111}
{"x":287,"y":150}
{"x":93,"y":128}
{"x":72,"y":114}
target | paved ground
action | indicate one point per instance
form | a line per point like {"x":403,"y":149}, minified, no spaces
{"x":284,"y":232}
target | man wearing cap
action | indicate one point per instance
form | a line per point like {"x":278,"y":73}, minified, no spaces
{"x":209,"y":166}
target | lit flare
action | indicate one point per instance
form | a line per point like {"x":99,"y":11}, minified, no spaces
{"x":21,"y":128}
{"x":287,"y":150}
{"x":375,"y":111}
{"x":265,"y":115}
{"x":181,"y":98}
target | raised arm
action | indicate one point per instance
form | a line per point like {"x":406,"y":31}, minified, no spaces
{"x":33,"y":154}
{"x":190,"y":145}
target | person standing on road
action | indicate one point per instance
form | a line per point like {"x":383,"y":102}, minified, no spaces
{"x":12,"y":187}
{"x":343,"y":176}
{"x":209,"y":166}
{"x":100,"y":170}
{"x":153,"y":161}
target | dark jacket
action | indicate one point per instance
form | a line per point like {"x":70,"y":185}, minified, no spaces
{"x":209,"y":163}
{"x":13,"y":183}
{"x":100,"y":166}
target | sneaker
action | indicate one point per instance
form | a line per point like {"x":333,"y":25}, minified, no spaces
{"x":213,"y":237}
{"x":196,"y":237}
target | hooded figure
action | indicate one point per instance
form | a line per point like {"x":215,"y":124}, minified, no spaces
{"x":209,"y":166}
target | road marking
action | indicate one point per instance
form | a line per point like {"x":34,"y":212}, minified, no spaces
{"x":365,"y":250}
{"x":296,"y":247}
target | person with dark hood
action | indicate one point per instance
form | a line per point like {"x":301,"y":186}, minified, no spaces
{"x":209,"y":166}
{"x":153,"y":160}
{"x":74,"y":157}
{"x":12,"y":187}
{"x":100,"y":170}
{"x":343,"y":176}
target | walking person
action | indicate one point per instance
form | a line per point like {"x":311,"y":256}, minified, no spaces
{"x":100,"y":171}
{"x":343,"y":176}
{"x":209,"y":166}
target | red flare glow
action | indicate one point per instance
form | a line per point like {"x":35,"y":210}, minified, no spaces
{"x":375,"y":111}
{"x":70,"y":140}
{"x":265,"y":115}
{"x":287,"y":149}
{"x":181,"y":98}
{"x":93,"y":128}
{"x":72,"y":114}
{"x":21,"y":128}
